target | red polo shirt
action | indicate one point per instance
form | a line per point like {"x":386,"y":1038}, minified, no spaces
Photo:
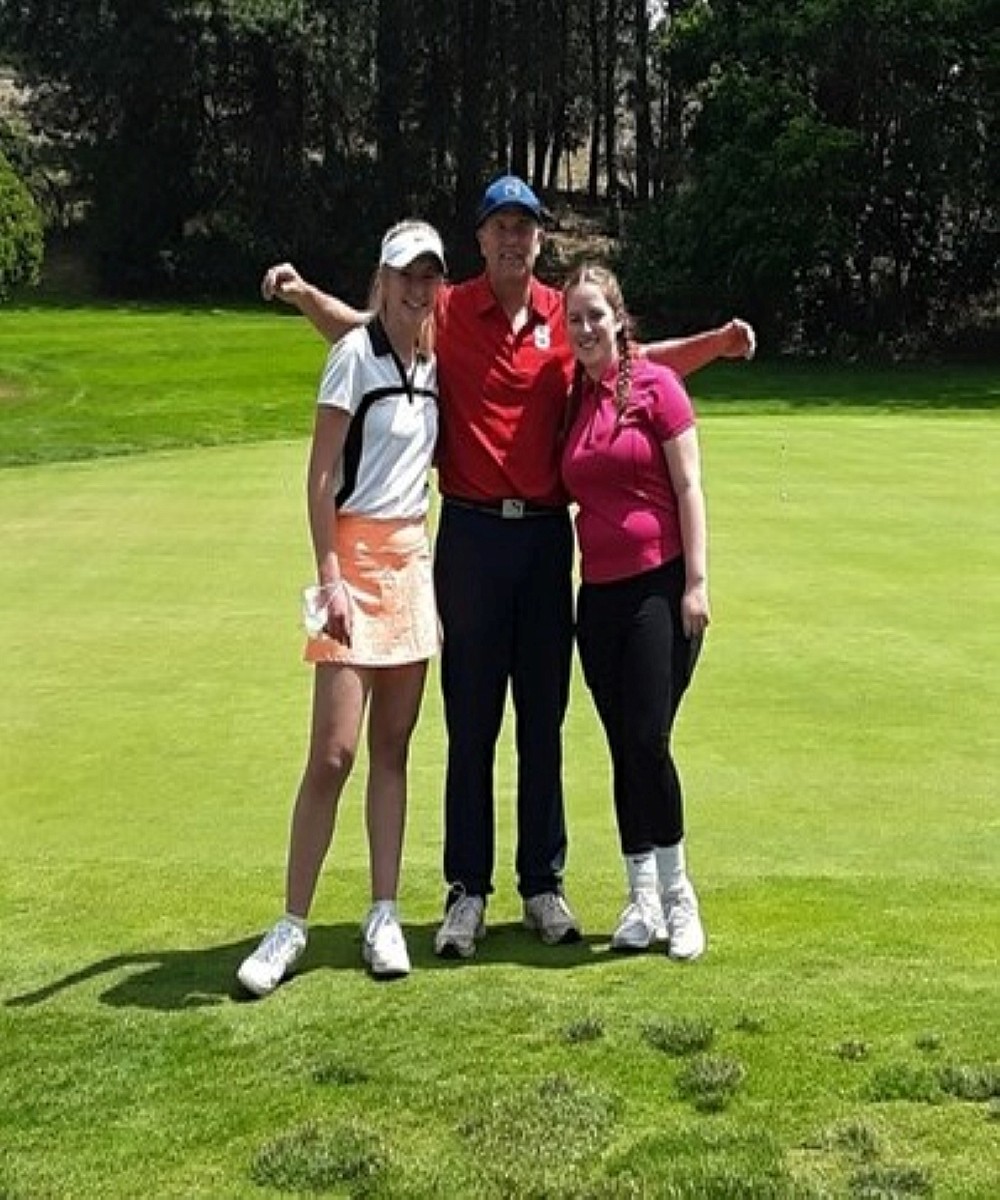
{"x":502,"y":395}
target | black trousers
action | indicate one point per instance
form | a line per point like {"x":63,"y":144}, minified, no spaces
{"x":638,"y":664}
{"x":504,"y":593}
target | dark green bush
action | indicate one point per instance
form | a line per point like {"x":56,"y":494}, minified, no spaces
{"x":21,"y":238}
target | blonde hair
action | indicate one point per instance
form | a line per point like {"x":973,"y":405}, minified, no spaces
{"x":607,"y":283}
{"x":376,"y":292}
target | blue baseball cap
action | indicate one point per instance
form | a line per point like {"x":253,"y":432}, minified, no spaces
{"x":509,"y":192}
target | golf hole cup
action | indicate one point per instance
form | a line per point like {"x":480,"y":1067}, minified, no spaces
{"x":314,"y":602}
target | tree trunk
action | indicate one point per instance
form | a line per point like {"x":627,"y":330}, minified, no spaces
{"x":474,"y":33}
{"x":611,"y":115}
{"x":559,"y":93}
{"x":596,"y":105}
{"x":520,"y":121}
{"x":504,"y":59}
{"x":390,"y":72}
{"x":643,"y":121}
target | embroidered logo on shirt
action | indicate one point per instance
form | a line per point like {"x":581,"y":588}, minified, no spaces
{"x":543,"y":337}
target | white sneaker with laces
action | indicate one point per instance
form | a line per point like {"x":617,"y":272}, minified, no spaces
{"x":383,"y":946}
{"x":550,"y":917}
{"x":280,"y":949}
{"x":641,"y":923}
{"x":461,"y":928}
{"x":685,"y":933}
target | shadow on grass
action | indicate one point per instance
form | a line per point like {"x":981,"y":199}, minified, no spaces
{"x":178,"y":980}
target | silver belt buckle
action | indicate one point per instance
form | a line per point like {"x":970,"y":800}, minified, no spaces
{"x":512,"y":509}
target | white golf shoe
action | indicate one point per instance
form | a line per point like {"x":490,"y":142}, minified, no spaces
{"x":280,"y":949}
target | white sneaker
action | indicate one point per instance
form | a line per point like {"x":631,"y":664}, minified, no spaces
{"x":641,"y":923}
{"x":383,"y":946}
{"x":685,"y":934}
{"x":462,"y":927}
{"x":279,"y":951}
{"x":550,"y":917}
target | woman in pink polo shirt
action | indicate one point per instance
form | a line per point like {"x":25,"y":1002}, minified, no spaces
{"x":632,"y":464}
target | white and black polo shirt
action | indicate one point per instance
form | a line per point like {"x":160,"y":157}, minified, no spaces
{"x":394,"y":424}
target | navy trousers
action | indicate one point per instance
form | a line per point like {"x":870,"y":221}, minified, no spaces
{"x":504,"y":593}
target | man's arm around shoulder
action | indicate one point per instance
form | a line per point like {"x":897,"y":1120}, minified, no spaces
{"x":735,"y":339}
{"x":330,"y":316}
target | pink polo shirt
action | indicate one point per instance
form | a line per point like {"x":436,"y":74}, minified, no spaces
{"x":615,"y":470}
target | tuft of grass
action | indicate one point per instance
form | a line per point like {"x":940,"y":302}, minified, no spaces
{"x":530,"y":1136}
{"x":929,"y":1043}
{"x":853,"y":1050}
{"x":975,"y":1083}
{"x":584,"y":1029}
{"x":857,"y":1137}
{"x":904,"y":1081}
{"x":748,"y":1022}
{"x":710,"y":1082}
{"x":312,"y":1158}
{"x":890,"y":1182}
{"x":679,"y":1036}
{"x":339,"y":1073}
{"x":706,"y":1161}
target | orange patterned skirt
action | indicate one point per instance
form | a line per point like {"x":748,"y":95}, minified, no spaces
{"x":386,"y":567}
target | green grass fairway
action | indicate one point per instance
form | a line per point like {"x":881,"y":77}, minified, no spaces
{"x":841,"y":754}
{"x":89,"y":382}
{"x":93,"y":382}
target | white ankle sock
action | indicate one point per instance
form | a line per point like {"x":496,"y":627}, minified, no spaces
{"x":300,"y":923}
{"x":642,"y":873}
{"x":670,"y":862}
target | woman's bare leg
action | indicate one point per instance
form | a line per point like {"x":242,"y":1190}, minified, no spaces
{"x":395,"y":705}
{"x":340,"y":694}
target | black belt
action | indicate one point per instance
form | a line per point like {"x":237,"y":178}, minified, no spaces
{"x":510,"y":509}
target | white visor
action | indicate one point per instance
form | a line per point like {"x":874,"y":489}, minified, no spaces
{"x":405,"y":246}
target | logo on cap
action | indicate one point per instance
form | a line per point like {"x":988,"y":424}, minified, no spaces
{"x":509,"y":190}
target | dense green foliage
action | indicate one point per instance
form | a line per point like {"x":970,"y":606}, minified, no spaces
{"x":845,"y":170}
{"x":21,"y":238}
{"x":829,"y":167}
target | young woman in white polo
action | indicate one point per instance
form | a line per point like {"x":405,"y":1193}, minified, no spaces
{"x":376,"y":626}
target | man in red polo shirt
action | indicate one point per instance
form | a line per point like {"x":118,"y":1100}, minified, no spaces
{"x":504,"y":551}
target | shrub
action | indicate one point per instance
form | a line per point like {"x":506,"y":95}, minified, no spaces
{"x":21,"y":240}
